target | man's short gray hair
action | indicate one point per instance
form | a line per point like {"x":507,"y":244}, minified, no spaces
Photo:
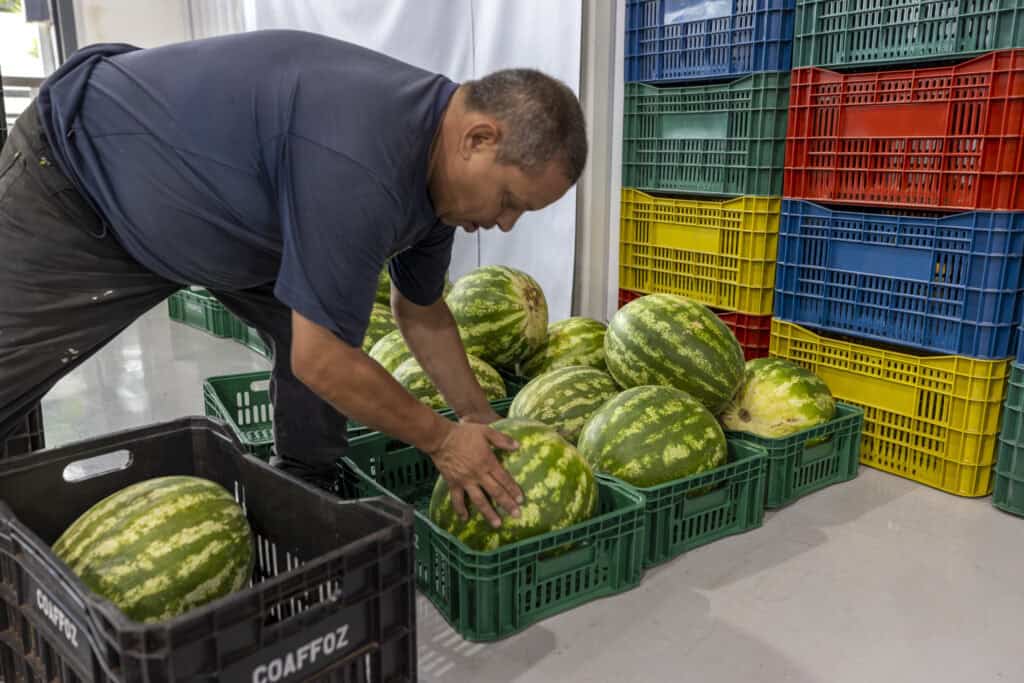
{"x":542,"y":116}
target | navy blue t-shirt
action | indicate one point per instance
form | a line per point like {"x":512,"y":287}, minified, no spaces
{"x":272,"y":156}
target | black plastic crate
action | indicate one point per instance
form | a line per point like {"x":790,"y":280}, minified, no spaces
{"x":333,"y":579}
{"x":27,"y":438}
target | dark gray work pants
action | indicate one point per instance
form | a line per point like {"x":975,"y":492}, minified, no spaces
{"x":67,"y":287}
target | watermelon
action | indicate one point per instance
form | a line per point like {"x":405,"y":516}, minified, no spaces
{"x":391,"y":351}
{"x":651,"y":435}
{"x":161,"y":547}
{"x":564,"y":398}
{"x":411,"y":376}
{"x":501,"y":313}
{"x":779,"y":398}
{"x":573,"y":341}
{"x":559,"y":490}
{"x":384,"y":288}
{"x":668,"y":340}
{"x":381,"y":323}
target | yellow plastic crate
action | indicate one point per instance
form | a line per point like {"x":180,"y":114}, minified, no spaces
{"x":933,"y":419}
{"x":720,"y":253}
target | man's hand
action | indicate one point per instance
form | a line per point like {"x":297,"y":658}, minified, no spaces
{"x":466,"y":462}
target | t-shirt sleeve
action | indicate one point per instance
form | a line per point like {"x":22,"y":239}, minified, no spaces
{"x":337,"y":223}
{"x":419,"y":272}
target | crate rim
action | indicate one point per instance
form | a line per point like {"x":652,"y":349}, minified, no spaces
{"x":15,"y":528}
{"x":695,"y":198}
{"x":904,"y":353}
{"x":912,"y":70}
{"x":837,"y":207}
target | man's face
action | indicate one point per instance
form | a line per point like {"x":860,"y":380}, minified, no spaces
{"x":485,"y":192}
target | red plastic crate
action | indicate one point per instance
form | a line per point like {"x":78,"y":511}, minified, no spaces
{"x":754,"y":332}
{"x":943,"y":137}
{"x":625,"y":296}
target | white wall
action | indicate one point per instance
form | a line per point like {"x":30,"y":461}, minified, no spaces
{"x":146,"y":23}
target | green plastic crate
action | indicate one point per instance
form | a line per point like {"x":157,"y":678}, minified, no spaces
{"x":248,"y":336}
{"x":726,"y":139}
{"x":1008,"y":490}
{"x":243,"y":402}
{"x":694,"y":511}
{"x":199,"y":309}
{"x":880,"y":32}
{"x":487,"y":596}
{"x":796,"y":469}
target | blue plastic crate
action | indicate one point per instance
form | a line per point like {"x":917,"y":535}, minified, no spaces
{"x":950,"y":284}
{"x":686,"y":40}
{"x":1020,"y":345}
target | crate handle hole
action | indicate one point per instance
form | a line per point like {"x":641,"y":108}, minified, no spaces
{"x":260,"y":386}
{"x":98,"y":466}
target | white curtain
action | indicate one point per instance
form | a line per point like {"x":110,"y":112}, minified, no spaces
{"x":466,"y":39}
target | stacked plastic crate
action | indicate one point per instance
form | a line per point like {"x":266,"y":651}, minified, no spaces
{"x":197,"y":308}
{"x":902,"y":231}
{"x":703,"y":146}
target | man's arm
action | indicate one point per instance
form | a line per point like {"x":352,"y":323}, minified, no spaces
{"x":433,"y":337}
{"x":359,"y":388}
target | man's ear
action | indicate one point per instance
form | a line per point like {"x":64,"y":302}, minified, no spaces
{"x":483,"y":136}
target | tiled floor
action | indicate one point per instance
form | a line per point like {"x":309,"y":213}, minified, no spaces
{"x":879,"y":580}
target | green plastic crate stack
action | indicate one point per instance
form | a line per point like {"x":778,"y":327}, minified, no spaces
{"x":243,"y":402}
{"x":1008,"y":489}
{"x":197,"y":308}
{"x":487,"y":596}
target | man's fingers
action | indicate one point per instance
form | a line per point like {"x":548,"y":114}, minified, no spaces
{"x":481,"y":504}
{"x":458,"y":502}
{"x":506,"y":481}
{"x":505,"y":443}
{"x":499,"y":492}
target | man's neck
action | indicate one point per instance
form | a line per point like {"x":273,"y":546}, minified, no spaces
{"x":437,"y":168}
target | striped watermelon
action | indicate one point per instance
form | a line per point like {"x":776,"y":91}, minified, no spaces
{"x":573,"y":341}
{"x":668,"y":340}
{"x":557,"y":483}
{"x":651,"y":435}
{"x":411,"y":376}
{"x":384,"y":288}
{"x":779,"y":398}
{"x":502,"y":314}
{"x":381,"y":323}
{"x":564,"y":398}
{"x":161,"y":547}
{"x":391,"y":351}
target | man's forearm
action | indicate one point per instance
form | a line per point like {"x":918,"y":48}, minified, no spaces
{"x":433,"y":337}
{"x":361,"y":389}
